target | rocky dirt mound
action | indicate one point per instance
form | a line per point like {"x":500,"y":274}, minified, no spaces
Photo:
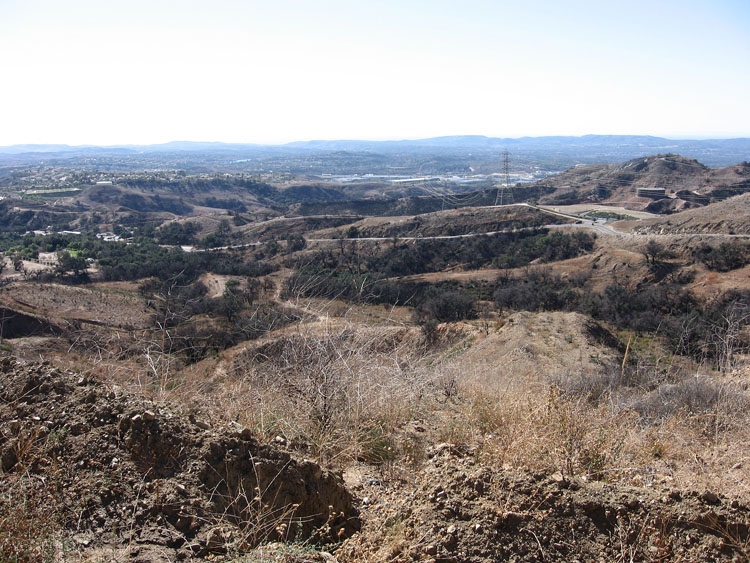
{"x":106,"y":469}
{"x":462,"y":511}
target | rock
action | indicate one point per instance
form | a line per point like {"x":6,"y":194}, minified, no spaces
{"x":216,"y":541}
{"x":8,"y":459}
{"x":558,"y":477}
{"x":78,"y":428}
{"x":202,"y":424}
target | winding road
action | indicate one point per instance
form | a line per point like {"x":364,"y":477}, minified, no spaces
{"x":599,"y":226}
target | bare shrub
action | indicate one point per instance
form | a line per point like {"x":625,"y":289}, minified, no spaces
{"x":339,"y":392}
{"x":694,"y":395}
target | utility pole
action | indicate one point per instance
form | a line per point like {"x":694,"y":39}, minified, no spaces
{"x":505,"y":194}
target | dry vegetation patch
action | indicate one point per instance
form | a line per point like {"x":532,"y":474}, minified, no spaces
{"x":111,"y":306}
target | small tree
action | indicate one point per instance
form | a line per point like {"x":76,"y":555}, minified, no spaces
{"x":654,"y":252}
{"x":233,"y":300}
{"x":67,"y":262}
{"x":656,"y":256}
{"x":17,"y":262}
{"x":295,"y":243}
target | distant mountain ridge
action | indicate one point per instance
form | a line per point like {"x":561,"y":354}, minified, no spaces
{"x":451,"y":141}
{"x":566,"y":150}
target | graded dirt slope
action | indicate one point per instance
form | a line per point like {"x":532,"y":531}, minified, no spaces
{"x":92,"y":303}
{"x":731,"y":216}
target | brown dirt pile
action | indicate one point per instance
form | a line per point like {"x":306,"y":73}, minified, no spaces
{"x":460,"y":510}
{"x":142,"y":481}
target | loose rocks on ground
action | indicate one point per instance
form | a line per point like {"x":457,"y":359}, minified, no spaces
{"x":112,"y":469}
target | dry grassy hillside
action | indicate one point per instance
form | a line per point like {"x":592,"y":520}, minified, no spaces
{"x":617,"y":184}
{"x":731,"y":216}
{"x":450,"y":222}
{"x":475,"y":441}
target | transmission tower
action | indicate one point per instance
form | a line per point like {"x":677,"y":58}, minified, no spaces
{"x":505,"y":193}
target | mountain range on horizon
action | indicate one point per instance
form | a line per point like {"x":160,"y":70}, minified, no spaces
{"x":562,"y":150}
{"x":449,"y":141}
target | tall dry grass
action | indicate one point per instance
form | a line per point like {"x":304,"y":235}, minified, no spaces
{"x":689,"y":432}
{"x":340,"y":391}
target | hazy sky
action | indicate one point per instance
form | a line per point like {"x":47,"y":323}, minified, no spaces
{"x":135,"y":71}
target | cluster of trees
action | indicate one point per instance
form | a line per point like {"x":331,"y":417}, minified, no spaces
{"x":143,"y":259}
{"x":434,"y":255}
{"x":139,"y":202}
{"x":663,"y":307}
{"x":724,"y":257}
{"x":499,"y":250}
{"x":30,"y":245}
{"x":177,"y":233}
{"x":194,"y":325}
{"x":229,"y":204}
{"x":537,"y":290}
{"x":188,"y":185}
{"x":691,"y":327}
{"x":545,"y":247}
{"x":15,"y":221}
